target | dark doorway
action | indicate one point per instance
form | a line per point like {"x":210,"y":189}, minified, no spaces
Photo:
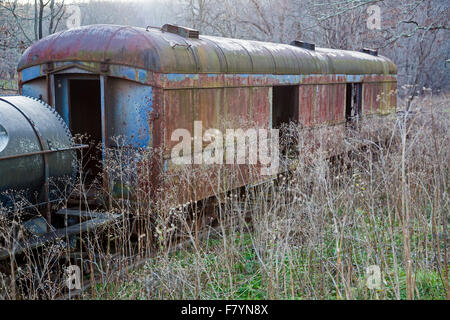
{"x":353,"y":103}
{"x":85,"y":119}
{"x":284,"y":105}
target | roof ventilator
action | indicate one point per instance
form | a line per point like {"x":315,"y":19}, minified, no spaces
{"x":304,"y":45}
{"x":369,"y":51}
{"x":181,"y":31}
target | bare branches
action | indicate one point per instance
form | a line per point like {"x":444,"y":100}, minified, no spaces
{"x":44,"y":12}
{"x":431,"y":27}
{"x":406,"y":25}
{"x":341,"y":7}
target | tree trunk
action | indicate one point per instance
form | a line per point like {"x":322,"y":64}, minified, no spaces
{"x":40,"y":18}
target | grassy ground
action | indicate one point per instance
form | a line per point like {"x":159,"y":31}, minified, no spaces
{"x":316,"y":233}
{"x":249,"y":279}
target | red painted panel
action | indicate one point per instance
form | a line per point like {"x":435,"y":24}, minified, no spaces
{"x":261,"y":106}
{"x":339,"y":114}
{"x":322,"y":104}
{"x":237,"y":105}
{"x":210,"y":107}
{"x":332,"y":93}
{"x":372,"y":97}
{"x":306,"y":105}
{"x":393,"y":95}
{"x":178,"y":113}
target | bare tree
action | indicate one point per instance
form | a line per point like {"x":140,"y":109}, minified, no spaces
{"x":414,"y":33}
{"x":38,"y":16}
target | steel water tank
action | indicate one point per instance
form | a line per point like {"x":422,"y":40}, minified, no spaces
{"x":37,"y":159}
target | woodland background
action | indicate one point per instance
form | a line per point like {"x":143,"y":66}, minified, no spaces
{"x":413,"y":33}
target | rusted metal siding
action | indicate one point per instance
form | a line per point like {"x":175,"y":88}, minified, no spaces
{"x":238,"y":106}
{"x":370,"y":103}
{"x":130,"y":106}
{"x":178,"y":113}
{"x":262,"y":102}
{"x":221,"y":108}
{"x":379,"y":97}
{"x":339,"y":103}
{"x":210,"y":108}
{"x":389,"y":100}
{"x":306,"y":104}
{"x":216,"y":108}
{"x":394,"y":92}
{"x":195,"y":80}
{"x":321,"y":107}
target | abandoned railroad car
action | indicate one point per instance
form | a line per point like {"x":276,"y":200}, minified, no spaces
{"x":142,"y":84}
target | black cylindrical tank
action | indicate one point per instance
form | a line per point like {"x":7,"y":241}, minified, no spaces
{"x":35,"y":147}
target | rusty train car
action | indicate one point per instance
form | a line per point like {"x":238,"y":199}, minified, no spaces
{"x":142,"y":84}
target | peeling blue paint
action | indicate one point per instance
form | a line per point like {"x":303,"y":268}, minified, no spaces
{"x":129,"y":73}
{"x":142,"y":75}
{"x":31,"y":73}
{"x":129,"y":108}
{"x":259,"y":76}
{"x":288,"y":79}
{"x":176,"y":76}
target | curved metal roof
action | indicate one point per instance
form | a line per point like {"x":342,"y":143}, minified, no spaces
{"x":159,"y":51}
